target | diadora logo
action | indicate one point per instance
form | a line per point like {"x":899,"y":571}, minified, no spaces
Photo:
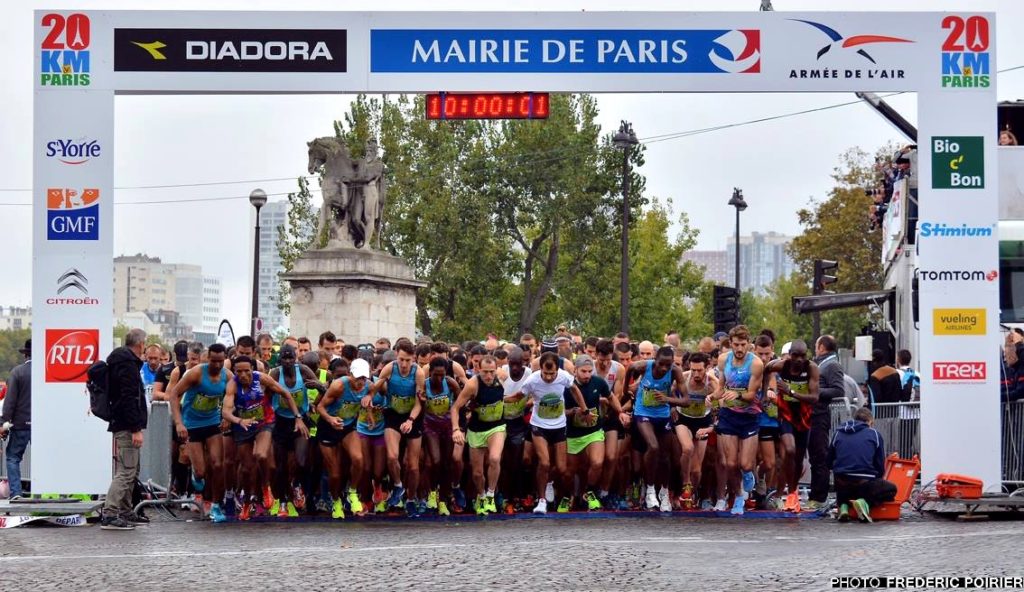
{"x":838,"y":42}
{"x":77,"y":151}
{"x":742,"y":51}
{"x":69,"y":353}
{"x":64,"y":60}
{"x":965,"y":56}
{"x":959,"y":371}
{"x":72,"y":214}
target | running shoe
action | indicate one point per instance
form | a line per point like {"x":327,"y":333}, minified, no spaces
{"x":246,"y":512}
{"x":354,"y":504}
{"x":792,"y":502}
{"x":397,"y":495}
{"x":720,"y":506}
{"x":381,"y":507}
{"x":378,"y":494}
{"x":442,"y":509}
{"x":480,"y":506}
{"x":207,"y":506}
{"x":813,"y":506}
{"x":652,"y":500}
{"x":432,"y":499}
{"x":762,"y":486}
{"x":459,"y":499}
{"x":198,"y":485}
{"x":490,"y":505}
{"x":290,"y":510}
{"x":622,"y":505}
{"x":323,"y":505}
{"x":217,"y":513}
{"x":275,"y":508}
{"x":268,"y":497}
{"x":299,"y":497}
{"x":706,"y":505}
{"x":509,"y":507}
{"x":542,"y":506}
{"x":564,"y":506}
{"x":593,"y":504}
{"x":549,"y":492}
{"x":737,"y":505}
{"x":411,"y":509}
{"x":421,"y":507}
{"x":686,"y":497}
{"x":748,"y":481}
{"x":844,"y":513}
{"x":863,"y":509}
{"x":664,"y":499}
{"x":230,"y":508}
{"x":529,"y":501}
{"x":337,"y":510}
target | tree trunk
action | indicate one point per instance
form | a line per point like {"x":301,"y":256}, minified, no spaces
{"x":532,"y":300}
{"x":421,"y":313}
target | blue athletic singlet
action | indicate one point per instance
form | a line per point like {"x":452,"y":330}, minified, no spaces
{"x":439,"y":404}
{"x":298,"y":391}
{"x":645,"y":404}
{"x":201,"y":405}
{"x":374,"y":413}
{"x":738,"y":379}
{"x":252,"y":403}
{"x":346,"y":407}
{"x":402,"y":390}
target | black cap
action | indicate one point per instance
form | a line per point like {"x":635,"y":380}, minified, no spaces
{"x":287,"y":351}
{"x":27,"y":350}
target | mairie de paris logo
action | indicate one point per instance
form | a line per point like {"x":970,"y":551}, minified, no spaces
{"x":64,"y":51}
{"x":958,"y":162}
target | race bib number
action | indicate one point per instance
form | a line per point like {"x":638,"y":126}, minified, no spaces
{"x":491,"y":413}
{"x":772,"y":410}
{"x":300,"y":399}
{"x":695,"y":409}
{"x":649,"y":399}
{"x":202,"y":402}
{"x":588,"y":421}
{"x":439,"y":405}
{"x":349,"y":410}
{"x":797,"y":387}
{"x":402,"y":405}
{"x":255,"y":413}
{"x":514,"y":409}
{"x":551,"y":407}
{"x":371,"y":416}
{"x":738,"y":402}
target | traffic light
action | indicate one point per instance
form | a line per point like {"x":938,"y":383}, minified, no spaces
{"x":727,"y":308}
{"x":824,"y":275}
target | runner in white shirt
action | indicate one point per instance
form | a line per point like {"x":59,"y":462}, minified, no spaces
{"x":547,"y":388}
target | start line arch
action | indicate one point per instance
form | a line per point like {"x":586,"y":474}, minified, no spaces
{"x":84,"y":58}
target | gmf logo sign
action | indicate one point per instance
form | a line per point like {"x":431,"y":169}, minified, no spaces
{"x":65,"y":54}
{"x":69,"y":353}
{"x":959,"y":371}
{"x":965,"y":56}
{"x":958,"y":162}
{"x":858,"y":43}
{"x":959,"y":321}
{"x":72,"y":214}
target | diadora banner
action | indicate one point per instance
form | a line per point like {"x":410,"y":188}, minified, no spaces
{"x":552,"y":51}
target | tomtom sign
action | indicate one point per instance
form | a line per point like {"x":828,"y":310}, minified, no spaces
{"x":69,"y":353}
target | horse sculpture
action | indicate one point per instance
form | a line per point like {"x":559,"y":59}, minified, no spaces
{"x":353,"y":192}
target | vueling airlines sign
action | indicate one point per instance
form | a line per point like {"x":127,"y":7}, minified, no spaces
{"x":959,"y":321}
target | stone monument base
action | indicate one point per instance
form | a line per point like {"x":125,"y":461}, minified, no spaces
{"x":359,"y":294}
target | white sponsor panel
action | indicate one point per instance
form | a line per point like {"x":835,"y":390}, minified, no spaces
{"x":71,"y":285}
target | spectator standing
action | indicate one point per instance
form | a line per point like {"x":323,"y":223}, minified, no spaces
{"x":127,"y":420}
{"x":884,"y":384}
{"x":830,"y":387}
{"x":17,"y":411}
{"x":857,"y":458}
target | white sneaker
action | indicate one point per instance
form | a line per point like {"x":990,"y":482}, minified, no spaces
{"x":542,"y":507}
{"x":720,"y":506}
{"x":652,"y":500}
{"x":549,"y":492}
{"x":666,"y":502}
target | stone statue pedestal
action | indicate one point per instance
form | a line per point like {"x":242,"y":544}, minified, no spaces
{"x":359,"y":294}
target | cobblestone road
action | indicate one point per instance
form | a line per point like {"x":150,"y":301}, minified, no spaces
{"x":550,"y":554}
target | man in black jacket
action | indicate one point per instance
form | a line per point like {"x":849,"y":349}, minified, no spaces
{"x":127,"y":420}
{"x":17,"y":412}
{"x":830,"y":386}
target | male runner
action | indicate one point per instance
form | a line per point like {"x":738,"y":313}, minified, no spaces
{"x":485,"y":434}
{"x":304,"y":346}
{"x":652,"y":421}
{"x":512,"y":378}
{"x":200,"y":393}
{"x":738,"y":416}
{"x":693,"y":424}
{"x":339,"y":409}
{"x":402,"y":381}
{"x":768,"y":420}
{"x":615,"y":424}
{"x":370,"y":427}
{"x":250,"y":411}
{"x":584,"y":432}
{"x":291,"y":434}
{"x":441,"y":391}
{"x":798,"y":389}
{"x":547,"y":389}
{"x":647,"y":350}
{"x":328,"y":342}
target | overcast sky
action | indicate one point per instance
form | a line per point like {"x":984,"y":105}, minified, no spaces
{"x":182,"y":140}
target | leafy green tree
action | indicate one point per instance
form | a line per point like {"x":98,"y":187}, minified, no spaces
{"x":10,"y":342}
{"x":299,"y":236}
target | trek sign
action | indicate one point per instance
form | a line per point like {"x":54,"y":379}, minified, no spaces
{"x":83,"y":59}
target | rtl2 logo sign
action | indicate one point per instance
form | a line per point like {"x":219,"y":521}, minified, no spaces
{"x":959,"y":371}
{"x":69,"y":353}
{"x":965,"y":56}
{"x":64,"y":57}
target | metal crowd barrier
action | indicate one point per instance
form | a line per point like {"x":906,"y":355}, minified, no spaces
{"x":1013,"y":442}
{"x":156,"y":447}
{"x":900,"y":426}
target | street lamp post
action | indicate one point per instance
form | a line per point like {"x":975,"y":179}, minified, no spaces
{"x":258,"y":198}
{"x":625,"y":139}
{"x":740,"y":205}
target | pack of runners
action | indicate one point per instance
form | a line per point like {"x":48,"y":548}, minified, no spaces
{"x":490,"y":427}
